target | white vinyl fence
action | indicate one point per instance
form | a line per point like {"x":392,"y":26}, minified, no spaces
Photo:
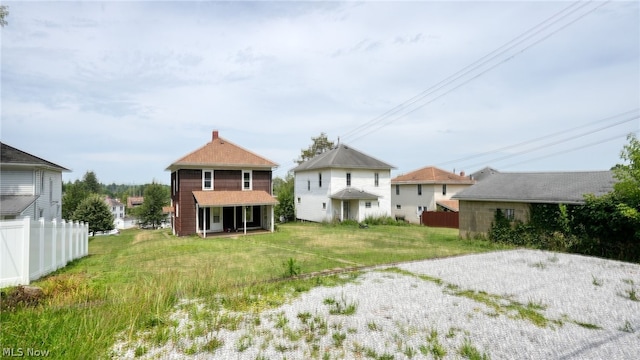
{"x":31,"y":249}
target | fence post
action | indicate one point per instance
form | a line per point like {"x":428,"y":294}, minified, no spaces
{"x":26,"y":239}
{"x":41,"y":248}
{"x":54,"y":247}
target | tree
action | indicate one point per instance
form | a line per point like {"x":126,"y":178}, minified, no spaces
{"x":628,"y":186}
{"x":320,"y":145}
{"x":73,"y":195}
{"x":94,"y":211}
{"x":4,"y":12}
{"x":283,"y":189}
{"x":91,"y":184}
{"x":155,"y":197}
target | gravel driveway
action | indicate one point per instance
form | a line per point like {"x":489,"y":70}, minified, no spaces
{"x":520,"y":304}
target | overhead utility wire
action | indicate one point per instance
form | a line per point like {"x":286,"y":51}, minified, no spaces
{"x":479,"y":74}
{"x":544,"y":137}
{"x":572,"y":149}
{"x":553,"y":143}
{"x":474,"y":65}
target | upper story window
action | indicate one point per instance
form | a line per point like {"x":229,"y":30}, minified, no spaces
{"x":319,"y":179}
{"x":348,"y":179}
{"x":376,"y":179}
{"x":419,"y":189}
{"x":444,"y":189}
{"x":308,"y":184}
{"x":246,"y":180}
{"x":207,"y":179}
{"x":397,"y":189}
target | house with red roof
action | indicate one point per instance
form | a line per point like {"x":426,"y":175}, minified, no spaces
{"x":426,"y":189}
{"x":221,"y":187}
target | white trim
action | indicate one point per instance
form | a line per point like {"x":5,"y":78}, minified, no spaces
{"x":250,"y":172}
{"x":204,"y":172}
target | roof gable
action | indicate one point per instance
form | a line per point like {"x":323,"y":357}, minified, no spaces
{"x":220,"y":152}
{"x":432,"y":175}
{"x":343,"y":156}
{"x":543,"y":187}
{"x":12,"y":156}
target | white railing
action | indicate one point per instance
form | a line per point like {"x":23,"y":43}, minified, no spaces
{"x":31,"y":249}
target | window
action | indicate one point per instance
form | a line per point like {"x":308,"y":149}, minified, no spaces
{"x":367,"y":204}
{"x":319,"y":179}
{"x":207,"y":179}
{"x":308,"y":184}
{"x":324,"y":206}
{"x":509,"y":214}
{"x":348,"y":179}
{"x":397,"y":189}
{"x":376,"y":179}
{"x":444,"y":189}
{"x":398,"y":207}
{"x":419,"y":189}
{"x":50,"y":190}
{"x":177,"y":210}
{"x":216,"y":215}
{"x":298,"y":200}
{"x":246,"y":180}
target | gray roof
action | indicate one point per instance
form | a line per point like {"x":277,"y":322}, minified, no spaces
{"x":483,"y":173}
{"x":543,"y":187}
{"x":353,"y":194}
{"x":343,"y":156}
{"x":14,"y":205}
{"x":12,"y":156}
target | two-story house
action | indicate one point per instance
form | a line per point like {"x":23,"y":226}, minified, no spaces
{"x":426,"y":189}
{"x":29,"y":186}
{"x":221,"y":187}
{"x":117,"y":210}
{"x":342,"y":184}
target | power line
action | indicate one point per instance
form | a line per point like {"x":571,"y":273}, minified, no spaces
{"x":553,"y":143}
{"x":544,"y":137}
{"x":380,"y":122}
{"x":572,"y":149}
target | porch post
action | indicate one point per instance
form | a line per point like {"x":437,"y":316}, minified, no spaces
{"x":197,"y":217}
{"x":272,"y":218}
{"x":244,"y":218}
{"x":341,"y":210}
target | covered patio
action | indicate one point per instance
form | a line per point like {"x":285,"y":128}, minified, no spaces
{"x":233,"y":212}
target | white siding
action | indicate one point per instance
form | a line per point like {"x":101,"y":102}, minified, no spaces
{"x":310,"y":206}
{"x":49,"y":203}
{"x":17,"y":182}
{"x":409,"y":200}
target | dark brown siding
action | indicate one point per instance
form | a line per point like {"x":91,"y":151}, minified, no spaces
{"x":262,"y":180}
{"x":190,"y":180}
{"x":227,"y":180}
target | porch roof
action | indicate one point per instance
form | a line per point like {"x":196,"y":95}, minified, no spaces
{"x":353,"y":194}
{"x":233,"y":198}
{"x":13,"y":205}
{"x":452,"y":205}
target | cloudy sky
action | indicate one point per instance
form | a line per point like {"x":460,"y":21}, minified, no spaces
{"x":126,"y":88}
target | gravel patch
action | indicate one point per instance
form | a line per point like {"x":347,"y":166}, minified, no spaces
{"x":522,"y":304}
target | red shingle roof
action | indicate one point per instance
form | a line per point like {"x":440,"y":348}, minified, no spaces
{"x":431,"y":175}
{"x":221,"y":153}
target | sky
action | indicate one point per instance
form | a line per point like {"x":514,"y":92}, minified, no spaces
{"x":125,"y":88}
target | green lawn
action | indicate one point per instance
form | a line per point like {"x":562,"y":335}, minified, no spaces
{"x":131,"y":282}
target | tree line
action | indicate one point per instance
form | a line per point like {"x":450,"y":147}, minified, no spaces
{"x":84,"y":200}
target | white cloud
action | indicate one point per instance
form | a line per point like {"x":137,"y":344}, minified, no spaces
{"x":148,"y":81}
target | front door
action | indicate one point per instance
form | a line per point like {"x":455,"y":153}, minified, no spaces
{"x":345,"y":210}
{"x":204,"y":219}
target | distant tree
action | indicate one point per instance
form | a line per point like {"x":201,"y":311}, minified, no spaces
{"x":319,"y":145}
{"x":283,"y":190}
{"x":4,"y":12}
{"x":91,"y":184}
{"x":73,"y":194}
{"x":155,"y":197}
{"x":94,"y":211}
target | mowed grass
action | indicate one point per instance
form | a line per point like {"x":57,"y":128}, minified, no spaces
{"x":130,"y":283}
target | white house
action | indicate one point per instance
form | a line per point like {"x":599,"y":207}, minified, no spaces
{"x":29,"y":186}
{"x":426,"y":189}
{"x":342,"y":184}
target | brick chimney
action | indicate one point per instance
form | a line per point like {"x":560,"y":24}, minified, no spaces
{"x":215,"y":135}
